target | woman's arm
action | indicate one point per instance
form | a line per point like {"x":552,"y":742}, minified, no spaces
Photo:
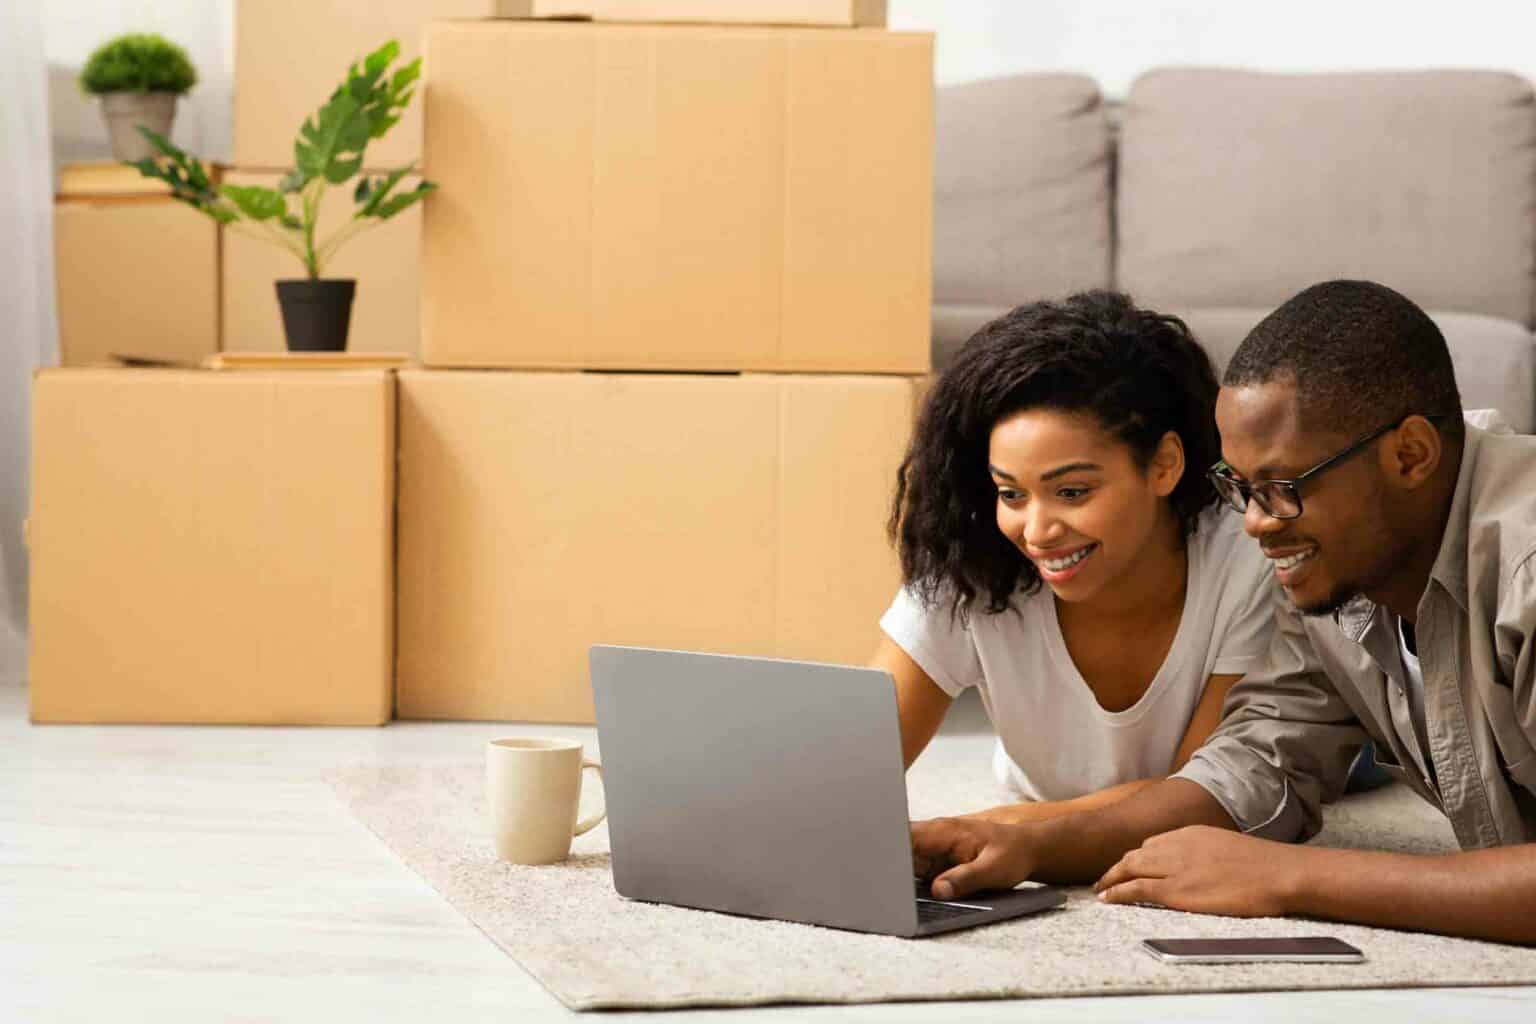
{"x":1205,"y":719}
{"x":920,"y":704}
{"x":1201,"y":724}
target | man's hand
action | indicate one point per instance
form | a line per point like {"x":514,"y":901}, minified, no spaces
{"x":1206,"y":870}
{"x":964,"y":855}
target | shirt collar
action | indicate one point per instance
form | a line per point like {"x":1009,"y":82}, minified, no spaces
{"x":1450,"y":569}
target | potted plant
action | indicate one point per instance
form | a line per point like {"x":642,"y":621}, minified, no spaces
{"x":328,"y":152}
{"x":138,"y":78}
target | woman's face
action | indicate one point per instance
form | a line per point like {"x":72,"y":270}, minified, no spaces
{"x":1071,"y":497}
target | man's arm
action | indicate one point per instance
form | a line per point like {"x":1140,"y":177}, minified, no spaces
{"x":1481,"y":894}
{"x":963,"y":855}
{"x":1283,"y":746}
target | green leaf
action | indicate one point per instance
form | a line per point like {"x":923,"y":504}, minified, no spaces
{"x":368,"y":102}
{"x":186,"y":176}
{"x":256,"y":202}
{"x":378,"y":191}
{"x":331,"y":143}
{"x":375,"y":63}
{"x":393,"y":205}
{"x":291,"y":182}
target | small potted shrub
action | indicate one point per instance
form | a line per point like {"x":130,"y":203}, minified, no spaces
{"x":138,"y":78}
{"x":328,"y":152}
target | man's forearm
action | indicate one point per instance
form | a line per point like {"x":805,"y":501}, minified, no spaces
{"x":1078,"y":848}
{"x":1485,"y":894}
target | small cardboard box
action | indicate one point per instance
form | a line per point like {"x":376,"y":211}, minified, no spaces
{"x":541,"y":513}
{"x":291,"y":54}
{"x":678,"y":197}
{"x":212,"y":547}
{"x":137,"y":278}
{"x":384,"y":260}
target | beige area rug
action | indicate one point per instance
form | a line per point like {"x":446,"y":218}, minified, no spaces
{"x":594,"y":950}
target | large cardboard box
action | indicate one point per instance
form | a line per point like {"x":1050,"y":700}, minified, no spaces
{"x":541,"y":513}
{"x":276,"y":88}
{"x":136,"y":277}
{"x":678,"y":197}
{"x":385,"y":261}
{"x":212,"y":547}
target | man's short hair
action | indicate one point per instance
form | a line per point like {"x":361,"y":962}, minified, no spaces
{"x":1361,"y":355}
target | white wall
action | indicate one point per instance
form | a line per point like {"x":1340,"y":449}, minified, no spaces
{"x":1114,"y":40}
{"x":26,"y":296}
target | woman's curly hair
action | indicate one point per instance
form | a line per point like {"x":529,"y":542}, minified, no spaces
{"x":1140,"y":373}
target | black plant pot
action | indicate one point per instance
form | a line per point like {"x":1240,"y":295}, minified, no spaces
{"x":316,"y":314}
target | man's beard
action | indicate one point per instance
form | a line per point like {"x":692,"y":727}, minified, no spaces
{"x":1346,"y":592}
{"x":1336,"y":599}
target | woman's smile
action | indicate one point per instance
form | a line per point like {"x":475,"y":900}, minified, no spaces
{"x":1061,"y":564}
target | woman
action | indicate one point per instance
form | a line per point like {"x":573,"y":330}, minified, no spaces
{"x":1063,"y":552}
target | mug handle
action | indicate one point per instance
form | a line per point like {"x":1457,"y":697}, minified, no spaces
{"x":587,"y":824}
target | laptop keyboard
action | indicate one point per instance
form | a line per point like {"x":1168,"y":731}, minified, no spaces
{"x":938,"y":910}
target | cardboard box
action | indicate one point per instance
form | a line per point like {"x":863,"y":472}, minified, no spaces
{"x":869,"y":13}
{"x":291,"y":54}
{"x":385,"y":261}
{"x":542,"y":513}
{"x":136,"y":277}
{"x":276,"y":88}
{"x":109,"y":178}
{"x":212,"y":547}
{"x":665,"y":197}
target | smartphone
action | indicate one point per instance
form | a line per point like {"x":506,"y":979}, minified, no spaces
{"x":1307,"y":949}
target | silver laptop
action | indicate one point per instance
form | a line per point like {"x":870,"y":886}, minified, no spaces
{"x":767,"y":788}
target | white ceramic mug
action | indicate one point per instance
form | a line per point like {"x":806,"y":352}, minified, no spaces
{"x":533,"y":790}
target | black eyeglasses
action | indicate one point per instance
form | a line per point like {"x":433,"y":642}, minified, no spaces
{"x":1281,"y":499}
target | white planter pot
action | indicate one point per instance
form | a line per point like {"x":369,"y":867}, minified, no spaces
{"x":125,"y":111}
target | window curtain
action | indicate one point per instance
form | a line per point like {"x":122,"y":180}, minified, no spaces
{"x":26,"y":297}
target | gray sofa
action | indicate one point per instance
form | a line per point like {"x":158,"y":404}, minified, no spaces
{"x":1216,"y":194}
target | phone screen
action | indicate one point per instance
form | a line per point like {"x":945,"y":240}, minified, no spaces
{"x":1299,"y":949}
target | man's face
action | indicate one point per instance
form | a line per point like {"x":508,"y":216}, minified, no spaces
{"x":1342,"y":544}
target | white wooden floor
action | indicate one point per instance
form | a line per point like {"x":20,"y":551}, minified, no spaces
{"x":209,"y":874}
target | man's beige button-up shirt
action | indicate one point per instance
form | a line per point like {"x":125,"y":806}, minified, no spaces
{"x":1290,"y":727}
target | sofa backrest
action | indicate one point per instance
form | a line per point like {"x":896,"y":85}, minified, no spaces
{"x":1240,"y":188}
{"x":1022,"y":191}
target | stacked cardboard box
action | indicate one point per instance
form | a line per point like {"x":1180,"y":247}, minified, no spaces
{"x":541,"y":513}
{"x":212,"y":547}
{"x":136,"y":272}
{"x":745,"y":208}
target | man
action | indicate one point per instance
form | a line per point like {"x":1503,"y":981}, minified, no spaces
{"x":1404,"y":546}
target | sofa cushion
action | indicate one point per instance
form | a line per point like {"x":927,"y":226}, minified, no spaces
{"x":1022,"y":190}
{"x":1240,"y":188}
{"x":1495,"y":359}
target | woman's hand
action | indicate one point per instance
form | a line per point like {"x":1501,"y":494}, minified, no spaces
{"x":964,"y":855}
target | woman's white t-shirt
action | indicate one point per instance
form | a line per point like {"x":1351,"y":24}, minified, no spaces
{"x":1055,"y":741}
